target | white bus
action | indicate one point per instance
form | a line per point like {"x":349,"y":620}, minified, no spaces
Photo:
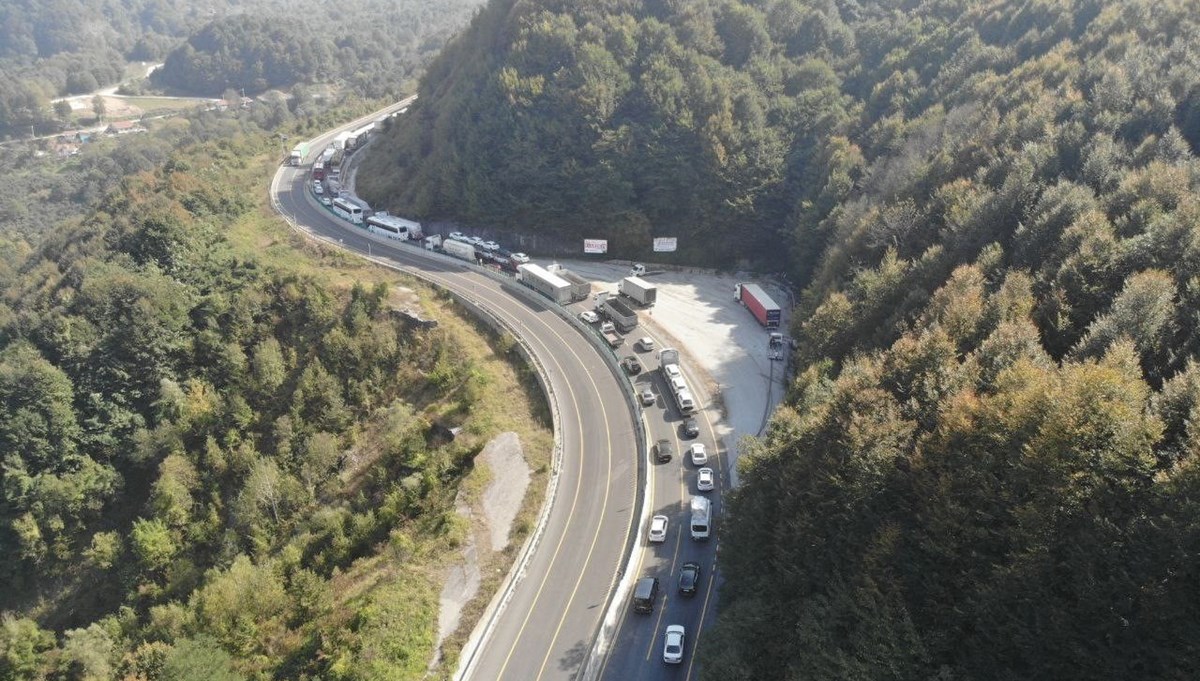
{"x":348,"y":210}
{"x":393,"y":227}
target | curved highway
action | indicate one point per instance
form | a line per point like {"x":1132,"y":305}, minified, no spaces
{"x":544,"y":625}
{"x":544,"y":622}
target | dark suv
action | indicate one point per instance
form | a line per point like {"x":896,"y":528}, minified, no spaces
{"x":631,"y":365}
{"x":663,"y":451}
{"x":691,"y":427}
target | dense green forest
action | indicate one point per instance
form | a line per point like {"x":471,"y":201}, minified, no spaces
{"x":984,"y":469}
{"x":64,"y":47}
{"x":218,"y":464}
{"x":372,"y":46}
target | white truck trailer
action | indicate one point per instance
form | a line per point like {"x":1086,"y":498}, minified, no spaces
{"x":545,"y":282}
{"x":581,"y":289}
{"x":459,"y":250}
{"x":668,"y":363}
{"x":638,"y":290}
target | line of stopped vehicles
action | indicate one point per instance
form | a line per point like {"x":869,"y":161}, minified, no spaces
{"x":612,"y":315}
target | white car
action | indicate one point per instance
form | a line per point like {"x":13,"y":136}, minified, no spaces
{"x":705,"y":480}
{"x":490,"y":246}
{"x":646,"y":344}
{"x":673,"y":371}
{"x":318,"y":189}
{"x":589,"y":316}
{"x":699,"y":454}
{"x":673,"y":648}
{"x":677,"y":384}
{"x":475,"y":241}
{"x":326,"y":201}
{"x":457,"y":236}
{"x":519,"y":258}
{"x":658,"y":529}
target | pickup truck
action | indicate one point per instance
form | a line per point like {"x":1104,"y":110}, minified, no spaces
{"x":610,"y":334}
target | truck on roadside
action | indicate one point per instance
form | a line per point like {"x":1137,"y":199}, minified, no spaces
{"x":459,"y":250}
{"x":544,"y":282}
{"x":672,"y":374}
{"x":701,"y":518}
{"x":298,"y":153}
{"x":753,"y":298}
{"x":610,"y":334}
{"x":581,"y":289}
{"x":433,"y":242}
{"x":639,"y":290}
{"x":618,"y":313}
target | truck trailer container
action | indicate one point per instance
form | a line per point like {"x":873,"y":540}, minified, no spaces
{"x":339,"y":142}
{"x":672,"y":373}
{"x":545,"y":282}
{"x":459,"y":250}
{"x":298,"y":153}
{"x":759,"y":303}
{"x":359,"y":137}
{"x":639,"y":290}
{"x":581,"y":289}
{"x":619,"y":313}
{"x":433,"y":242}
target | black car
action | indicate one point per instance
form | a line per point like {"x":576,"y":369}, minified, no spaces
{"x":691,"y":427}
{"x":663,"y":451}
{"x":689,"y":577}
{"x":631,"y":365}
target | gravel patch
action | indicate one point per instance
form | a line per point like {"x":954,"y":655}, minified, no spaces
{"x":510,"y":476}
{"x":491,"y":522}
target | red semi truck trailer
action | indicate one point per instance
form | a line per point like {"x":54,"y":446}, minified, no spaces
{"x":759,"y":303}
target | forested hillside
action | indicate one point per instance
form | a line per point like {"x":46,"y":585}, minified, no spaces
{"x":48,"y":49}
{"x":373,"y":46}
{"x":986,"y":467}
{"x":216,"y":467}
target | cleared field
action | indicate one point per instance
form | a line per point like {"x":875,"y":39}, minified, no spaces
{"x":160,"y":103}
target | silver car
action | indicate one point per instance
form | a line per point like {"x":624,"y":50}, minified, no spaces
{"x":673,"y":647}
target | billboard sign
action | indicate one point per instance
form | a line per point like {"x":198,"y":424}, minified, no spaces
{"x":665,"y":244}
{"x":595,"y":245}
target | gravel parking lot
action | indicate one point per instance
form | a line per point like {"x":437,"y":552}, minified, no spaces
{"x":724,"y":346}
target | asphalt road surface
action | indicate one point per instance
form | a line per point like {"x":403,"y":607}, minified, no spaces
{"x":637,"y":650}
{"x":545,"y":628}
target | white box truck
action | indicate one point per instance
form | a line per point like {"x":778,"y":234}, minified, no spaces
{"x":545,"y":282}
{"x":638,"y":290}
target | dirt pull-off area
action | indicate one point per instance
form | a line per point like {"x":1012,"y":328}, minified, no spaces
{"x":491,"y":515}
